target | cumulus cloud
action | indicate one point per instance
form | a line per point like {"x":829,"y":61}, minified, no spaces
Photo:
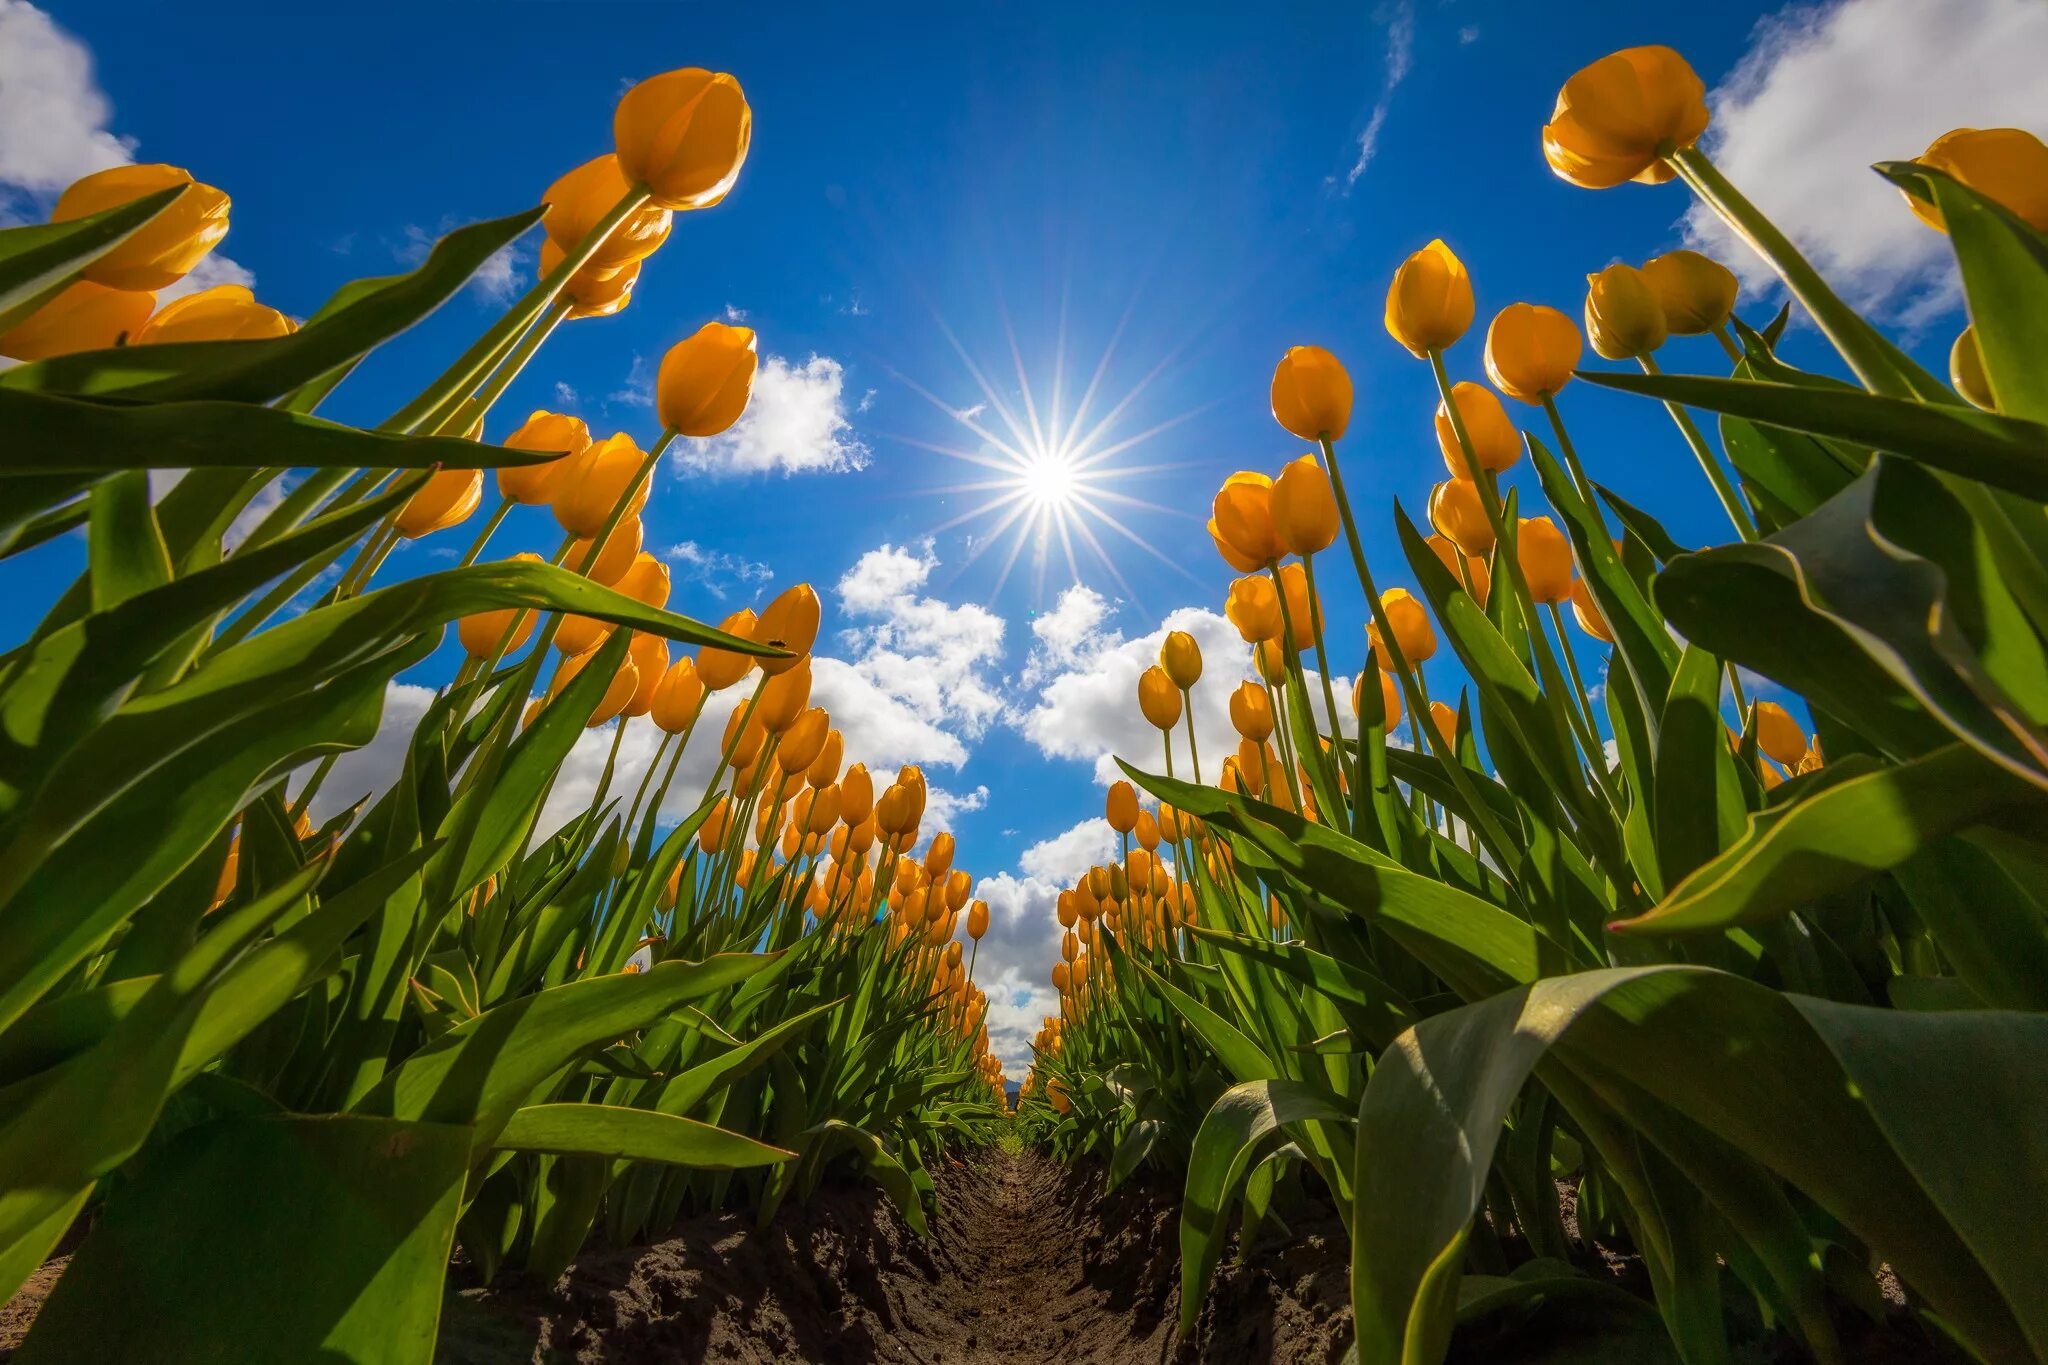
{"x":54,"y":128}
{"x":797,"y":423}
{"x":1825,"y":90}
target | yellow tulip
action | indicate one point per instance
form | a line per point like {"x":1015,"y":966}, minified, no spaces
{"x":804,"y":740}
{"x":824,"y":769}
{"x":1251,"y":712}
{"x":790,"y":622}
{"x":1243,"y":520}
{"x":977,"y":920}
{"x":1158,"y":698}
{"x":783,"y":697}
{"x":1623,"y":318}
{"x":677,"y":697}
{"x":1587,"y":612}
{"x":1697,"y":293}
{"x":645,"y":580}
{"x":1311,"y":394}
{"x":1778,"y":735}
{"x":446,"y":500}
{"x":1304,"y":615}
{"x":706,"y":379}
{"x":1271,"y":663}
{"x":1429,"y":304}
{"x":1120,"y":807}
{"x":609,"y":564}
{"x":1390,"y":698}
{"x":856,"y":794}
{"x":684,"y":135}
{"x":581,"y":199}
{"x":1253,"y":606}
{"x":1469,"y":570}
{"x":1303,"y":508}
{"x":721,"y":668}
{"x":1531,"y":351}
{"x":592,"y":292}
{"x":649,"y":656}
{"x":1445,"y":719}
{"x":1966,"y":371}
{"x":1617,"y":119}
{"x":602,"y":477}
{"x":1455,"y":509}
{"x":1181,"y":657}
{"x":533,"y":484}
{"x":485,"y":633}
{"x":1496,"y":444}
{"x":624,"y":684}
{"x":1545,"y":557}
{"x":163,"y":250}
{"x":82,"y":317}
{"x":711,"y":834}
{"x":1147,"y":830}
{"x":2008,"y":166}
{"x":1410,"y":622}
{"x":226,"y":312}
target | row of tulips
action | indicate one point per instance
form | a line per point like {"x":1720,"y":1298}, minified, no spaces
{"x":1774,"y":1021}
{"x":334,"y":1051}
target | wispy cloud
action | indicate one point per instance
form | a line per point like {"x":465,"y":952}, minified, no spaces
{"x":498,"y":280}
{"x":718,"y":572}
{"x":638,"y":389}
{"x":1399,"y":18}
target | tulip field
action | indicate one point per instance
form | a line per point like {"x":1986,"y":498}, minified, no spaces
{"x":1587,"y":996}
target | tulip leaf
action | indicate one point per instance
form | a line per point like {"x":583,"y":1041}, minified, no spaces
{"x":262,"y":371}
{"x":1641,"y":525}
{"x":1371,"y":1007}
{"x":619,"y":1134}
{"x":1696,"y":797}
{"x":39,"y":260}
{"x":349,"y":1266}
{"x":2006,"y":452}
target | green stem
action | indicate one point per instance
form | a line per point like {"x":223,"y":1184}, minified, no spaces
{"x":1308,"y":569}
{"x":1710,"y":464}
{"x":1571,"y":663}
{"x":1722,"y":335}
{"x":1571,"y":457}
{"x":476,"y":548}
{"x":1187,"y":695}
{"x":474,"y":409}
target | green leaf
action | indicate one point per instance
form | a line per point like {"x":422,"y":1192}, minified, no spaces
{"x":334,"y":1248}
{"x":39,"y":260}
{"x":619,"y":1133}
{"x":1696,"y":792}
{"x":261,"y":371}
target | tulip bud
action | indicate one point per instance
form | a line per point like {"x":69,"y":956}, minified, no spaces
{"x":1253,"y":606}
{"x":783,"y":699}
{"x":721,"y":668}
{"x":533,"y":484}
{"x":584,"y":197}
{"x":1545,"y":557}
{"x":1311,"y":394}
{"x":824,"y":769}
{"x":623,"y":685}
{"x":1623,"y":318}
{"x":592,"y":292}
{"x":1531,"y":351}
{"x":711,"y":834}
{"x":1496,"y":445}
{"x":684,"y":135}
{"x":608,"y":564}
{"x":1429,"y":304}
{"x":1619,"y":118}
{"x":677,"y":697}
{"x":486,"y":633}
{"x":1243,"y":521}
{"x":1778,"y":735}
{"x":82,"y":317}
{"x":1966,"y":371}
{"x":1390,"y":699}
{"x":1445,"y":719}
{"x":803,"y":741}
{"x":1147,"y":830}
{"x":1121,"y":807}
{"x":580,"y":634}
{"x":706,"y":379}
{"x":938,"y":859}
{"x":977,"y":920}
{"x":1410,"y":623}
{"x":649,"y":654}
{"x":1158,"y":698}
{"x":743,"y":738}
{"x":1587,"y":612}
{"x":226,"y":312}
{"x":1181,"y":657}
{"x":2008,"y":166}
{"x":1065,"y":909}
{"x":856,"y":794}
{"x":959,"y":885}
{"x":1304,"y":616}
{"x":605,"y":475}
{"x":446,"y":500}
{"x":1251,"y":712}
{"x":1456,"y":510}
{"x":1270,"y":662}
{"x":163,"y":250}
{"x":1304,"y":509}
{"x":789,"y":623}
{"x":1697,"y":293}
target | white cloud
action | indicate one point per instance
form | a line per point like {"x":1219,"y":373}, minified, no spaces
{"x":1468,"y":34}
{"x":1824,"y":91}
{"x":212,"y":269}
{"x":718,"y":572}
{"x":1399,"y":18}
{"x":637,"y":391}
{"x":54,"y":128}
{"x":498,"y":280}
{"x":943,"y":808}
{"x":796,"y":423}
{"x":565,"y":396}
{"x":735,"y":314}
{"x":1064,"y":857}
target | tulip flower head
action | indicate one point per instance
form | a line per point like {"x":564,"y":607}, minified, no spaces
{"x":1469,"y":570}
{"x":1496,"y":444}
{"x":1390,"y":698}
{"x":82,"y":317}
{"x":1120,"y":807}
{"x":499,"y":632}
{"x":649,"y":657}
{"x":584,"y":197}
{"x":646,"y":580}
{"x":1253,"y":606}
{"x":1429,"y":304}
{"x":1456,"y":510}
{"x":1158,"y":698}
{"x":1181,"y":657}
{"x":684,"y":136}
{"x":2008,"y":166}
{"x":1618,"y":119}
{"x":624,"y":684}
{"x":677,"y":697}
{"x":1445,"y":719}
{"x":790,"y":622}
{"x":1697,"y":293}
{"x":446,"y":500}
{"x":1545,"y":557}
{"x":1242,"y":522}
{"x":1410,"y":623}
{"x":1587,"y":613}
{"x":1778,"y":735}
{"x":784,"y":697}
{"x":1304,"y":509}
{"x":603,"y":476}
{"x":1311,"y":394}
{"x":533,"y":484}
{"x":1251,"y":712}
{"x":706,"y":379}
{"x":226,"y":312}
{"x":593,"y":292}
{"x":163,"y":250}
{"x":1531,"y":351}
{"x":608,"y":564}
{"x":1304,"y":615}
{"x":1623,"y":318}
{"x":721,"y":668}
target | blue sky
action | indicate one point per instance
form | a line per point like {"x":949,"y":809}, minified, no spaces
{"x":927,"y":184}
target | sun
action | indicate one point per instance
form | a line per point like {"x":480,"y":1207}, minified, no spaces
{"x":1048,"y":460}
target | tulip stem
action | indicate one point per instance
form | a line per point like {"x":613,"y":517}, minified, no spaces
{"x":474,"y":409}
{"x":1868,"y":354}
{"x":1571,"y":663}
{"x":1571,"y":458}
{"x":1710,"y":464}
{"x":312,"y":787}
{"x":490,"y":529}
{"x":1308,"y":570}
{"x":1188,"y":710}
{"x":1727,"y":343}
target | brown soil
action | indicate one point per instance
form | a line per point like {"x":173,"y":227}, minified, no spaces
{"x":1027,"y":1262}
